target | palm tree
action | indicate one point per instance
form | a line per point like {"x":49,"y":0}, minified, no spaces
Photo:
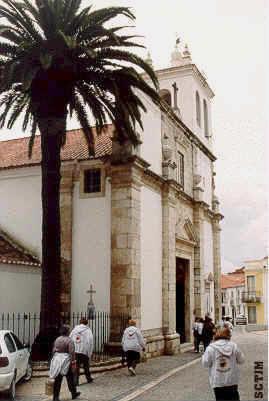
{"x":56,"y":60}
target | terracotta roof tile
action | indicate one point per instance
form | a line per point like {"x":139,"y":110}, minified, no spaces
{"x":12,"y":253}
{"x":232,"y":280}
{"x":14,"y":153}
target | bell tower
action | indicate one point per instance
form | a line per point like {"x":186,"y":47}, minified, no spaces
{"x":186,"y":90}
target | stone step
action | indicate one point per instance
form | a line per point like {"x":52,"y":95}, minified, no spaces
{"x":185,"y":347}
{"x":40,"y":369}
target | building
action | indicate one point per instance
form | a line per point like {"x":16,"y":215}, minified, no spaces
{"x":19,"y":270}
{"x":232,"y":287}
{"x":139,"y":225}
{"x":256,"y":291}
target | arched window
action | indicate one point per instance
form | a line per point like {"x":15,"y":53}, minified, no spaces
{"x":206,"y":119}
{"x":198,"y":109}
{"x":166,"y":96}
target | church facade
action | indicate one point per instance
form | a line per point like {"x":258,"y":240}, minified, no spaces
{"x":140,"y":225}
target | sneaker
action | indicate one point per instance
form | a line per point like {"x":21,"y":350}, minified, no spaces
{"x":76,"y":395}
{"x":90,"y":380}
{"x":132,"y":371}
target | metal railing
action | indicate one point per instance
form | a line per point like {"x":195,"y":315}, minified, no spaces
{"x":251,"y":297}
{"x":26,"y":327}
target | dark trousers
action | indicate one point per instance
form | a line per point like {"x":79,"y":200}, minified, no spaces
{"x":133,"y":358}
{"x":83,"y":360}
{"x":58,"y":382}
{"x":199,"y":339}
{"x":226,"y":393}
{"x":206,"y":342}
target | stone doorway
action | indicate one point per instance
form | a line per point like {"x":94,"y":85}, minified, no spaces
{"x":182,"y":299}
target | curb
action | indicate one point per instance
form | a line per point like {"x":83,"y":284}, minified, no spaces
{"x":43,"y":371}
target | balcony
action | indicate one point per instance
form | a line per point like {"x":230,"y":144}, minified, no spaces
{"x":251,"y":297}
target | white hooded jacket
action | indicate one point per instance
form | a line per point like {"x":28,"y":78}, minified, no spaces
{"x":222,"y":358}
{"x":83,"y":339}
{"x":132,"y":339}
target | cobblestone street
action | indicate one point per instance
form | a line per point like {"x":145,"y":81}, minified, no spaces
{"x":168,"y":378}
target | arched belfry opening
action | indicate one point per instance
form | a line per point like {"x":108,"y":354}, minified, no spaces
{"x":165,"y":95}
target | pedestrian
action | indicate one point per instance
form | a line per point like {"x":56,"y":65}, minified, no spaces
{"x":63,"y":363}
{"x":200,"y":326}
{"x":222,"y":357}
{"x":228,"y":324}
{"x":195,"y":332}
{"x":132,"y":344}
{"x":208,"y":331}
{"x":83,"y":340}
{"x":221,"y":323}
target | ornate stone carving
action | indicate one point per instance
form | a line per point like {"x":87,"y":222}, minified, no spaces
{"x":167,"y":150}
{"x":197,"y":178}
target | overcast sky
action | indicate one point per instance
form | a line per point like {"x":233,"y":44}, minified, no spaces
{"x":227,"y":40}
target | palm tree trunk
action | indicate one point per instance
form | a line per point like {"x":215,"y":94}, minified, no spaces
{"x":51,"y":136}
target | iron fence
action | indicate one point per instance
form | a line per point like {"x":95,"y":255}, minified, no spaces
{"x":27,"y":328}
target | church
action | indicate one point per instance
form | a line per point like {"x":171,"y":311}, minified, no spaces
{"x":141,"y":226}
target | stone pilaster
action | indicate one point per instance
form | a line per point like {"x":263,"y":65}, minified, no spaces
{"x":169,"y":270}
{"x":125,"y":240}
{"x":217,"y":269}
{"x":66,"y":206}
{"x":199,"y":287}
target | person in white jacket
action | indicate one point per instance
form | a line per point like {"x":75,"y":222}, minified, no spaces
{"x":83,"y":340}
{"x":222,"y":357}
{"x":132,"y":343}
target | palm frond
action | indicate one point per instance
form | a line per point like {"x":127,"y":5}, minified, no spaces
{"x":129,"y":57}
{"x":91,"y":97}
{"x":24,"y":18}
{"x":101,"y":16}
{"x":18,"y":107}
{"x":76,"y":105}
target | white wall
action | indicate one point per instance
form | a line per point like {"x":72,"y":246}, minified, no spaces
{"x":188,"y":84}
{"x":204,"y":167}
{"x":208,"y":248}
{"x":20,"y":206}
{"x":151,"y":259}
{"x":151,"y":148}
{"x":20,"y":288}
{"x":91,"y":250}
{"x":200,"y":130}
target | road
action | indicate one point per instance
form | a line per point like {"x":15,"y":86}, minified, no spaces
{"x":166,"y":378}
{"x":192,"y":383}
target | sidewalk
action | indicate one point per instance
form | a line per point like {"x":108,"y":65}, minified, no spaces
{"x":111,"y":385}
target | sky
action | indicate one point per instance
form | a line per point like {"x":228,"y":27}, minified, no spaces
{"x":227,"y":40}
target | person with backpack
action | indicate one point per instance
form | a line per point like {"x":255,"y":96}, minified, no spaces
{"x":132,"y":343}
{"x":83,"y":340}
{"x":222,"y":357}
{"x":63,"y":363}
